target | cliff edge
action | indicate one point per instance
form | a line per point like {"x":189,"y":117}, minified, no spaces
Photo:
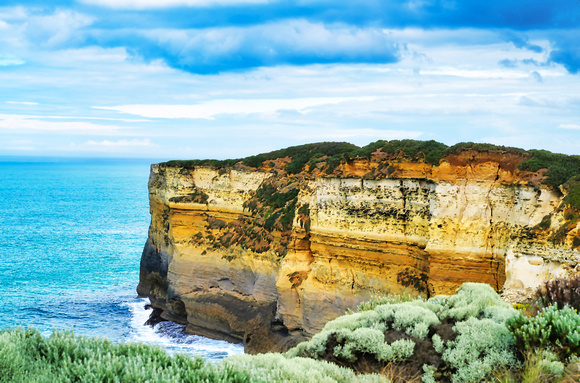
{"x":267,"y":249}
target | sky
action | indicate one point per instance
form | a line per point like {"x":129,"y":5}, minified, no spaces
{"x":193,"y":79}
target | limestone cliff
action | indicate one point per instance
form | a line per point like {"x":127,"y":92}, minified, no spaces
{"x":266,"y":257}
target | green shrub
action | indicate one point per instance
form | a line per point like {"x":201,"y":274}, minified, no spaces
{"x":457,"y":148}
{"x":552,"y":329}
{"x":360,"y":333}
{"x":541,"y":366}
{"x":560,"y":167}
{"x":271,"y":197}
{"x":364,"y":340}
{"x":572,"y":198}
{"x":431,"y":151}
{"x":546,"y":222}
{"x":414,"y":320}
{"x":304,"y":210}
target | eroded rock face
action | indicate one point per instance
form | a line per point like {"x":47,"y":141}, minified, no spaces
{"x":267,"y":259}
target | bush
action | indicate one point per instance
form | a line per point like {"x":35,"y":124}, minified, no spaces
{"x":277,"y":368}
{"x":457,"y":148}
{"x":372,"y":303}
{"x":481,"y":346}
{"x":552,"y":329}
{"x":462,"y":337}
{"x":546,"y":222}
{"x":476,"y":300}
{"x":431,"y":151}
{"x":560,"y":167}
{"x":349,"y":336}
{"x":572,"y":188}
{"x":541,"y":367}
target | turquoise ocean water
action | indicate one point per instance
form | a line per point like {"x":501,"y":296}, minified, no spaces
{"x":71,"y":236}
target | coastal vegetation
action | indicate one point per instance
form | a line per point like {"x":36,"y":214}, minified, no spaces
{"x":472,"y":336}
{"x":28,"y":356}
{"x":558,"y":170}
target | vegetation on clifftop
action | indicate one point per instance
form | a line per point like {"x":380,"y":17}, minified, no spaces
{"x":559,"y":171}
{"x":559,"y":168}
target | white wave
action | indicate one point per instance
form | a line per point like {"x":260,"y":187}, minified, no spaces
{"x":173,"y":338}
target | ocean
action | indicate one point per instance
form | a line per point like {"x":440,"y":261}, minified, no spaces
{"x":71,"y":236}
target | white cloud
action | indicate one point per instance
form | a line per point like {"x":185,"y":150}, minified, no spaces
{"x":152,"y":4}
{"x":124,"y":143}
{"x":55,"y":29}
{"x":368,"y":134}
{"x":113,"y":146}
{"x":10,"y":61}
{"x":22,"y":124}
{"x":210,"y":109}
{"x":475,"y":73}
{"x":20,"y":146}
{"x":22,"y":102}
{"x":38,"y":117}
{"x":570,"y":126}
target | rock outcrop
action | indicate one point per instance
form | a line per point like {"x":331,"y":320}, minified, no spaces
{"x":266,"y":258}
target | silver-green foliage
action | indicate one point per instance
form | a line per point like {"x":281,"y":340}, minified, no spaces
{"x":383,"y":300}
{"x":438,"y":343}
{"x":363,"y":333}
{"x":481,"y":346}
{"x":277,"y":368}
{"x":477,"y":300}
{"x":371,"y":341}
{"x":549,"y":362}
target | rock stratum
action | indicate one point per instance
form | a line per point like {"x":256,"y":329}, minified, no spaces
{"x":264,"y":256}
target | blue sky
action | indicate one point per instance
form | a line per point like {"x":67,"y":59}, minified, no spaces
{"x":229,"y":78}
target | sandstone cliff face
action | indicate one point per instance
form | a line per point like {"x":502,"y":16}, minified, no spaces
{"x":229,"y":265}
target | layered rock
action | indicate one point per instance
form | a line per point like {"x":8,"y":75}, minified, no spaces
{"x":267,"y":258}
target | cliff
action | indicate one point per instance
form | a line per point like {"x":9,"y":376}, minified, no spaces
{"x":266,"y":256}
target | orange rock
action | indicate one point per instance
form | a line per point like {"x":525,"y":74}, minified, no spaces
{"x":386,"y":225}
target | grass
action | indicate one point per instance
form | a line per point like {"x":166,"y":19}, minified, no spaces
{"x":27,"y":356}
{"x":539,"y":367}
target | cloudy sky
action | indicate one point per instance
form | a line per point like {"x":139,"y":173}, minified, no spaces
{"x":230,"y":78}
